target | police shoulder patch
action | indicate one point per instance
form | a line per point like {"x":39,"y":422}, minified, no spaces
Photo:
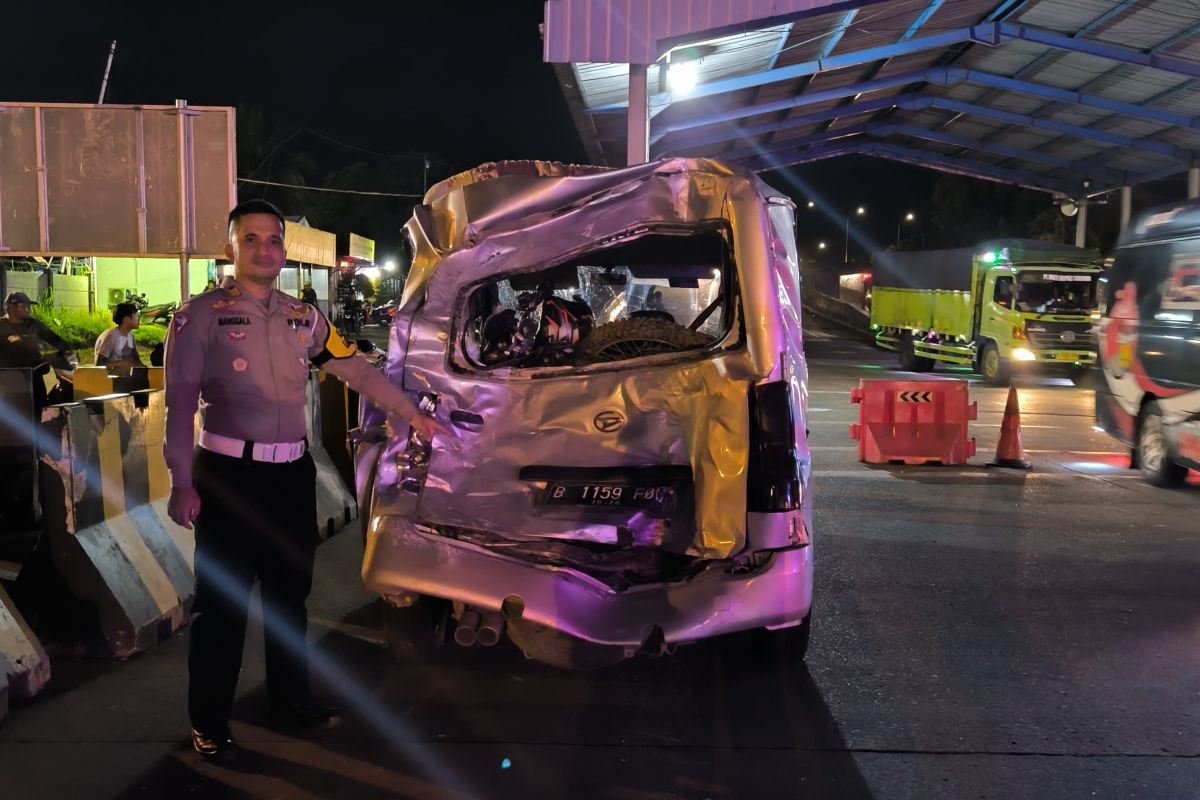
{"x":338,"y":345}
{"x":297,"y":310}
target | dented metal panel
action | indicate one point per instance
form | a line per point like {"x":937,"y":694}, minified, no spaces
{"x":685,"y":409}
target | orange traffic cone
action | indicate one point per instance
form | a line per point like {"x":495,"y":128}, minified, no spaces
{"x":1009,"y":452}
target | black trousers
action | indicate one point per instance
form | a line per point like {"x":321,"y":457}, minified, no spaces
{"x":257,"y":521}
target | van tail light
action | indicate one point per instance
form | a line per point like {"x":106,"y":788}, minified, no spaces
{"x":773,"y":474}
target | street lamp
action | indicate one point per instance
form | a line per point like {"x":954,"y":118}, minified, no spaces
{"x":909,"y":217}
{"x":811,"y":204}
{"x":820,"y":245}
{"x":860,"y":211}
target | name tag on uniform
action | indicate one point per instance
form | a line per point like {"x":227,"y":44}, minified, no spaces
{"x":233,"y":320}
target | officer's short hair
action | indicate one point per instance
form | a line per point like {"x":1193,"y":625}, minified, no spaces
{"x":254,"y":207}
{"x":122,"y":311}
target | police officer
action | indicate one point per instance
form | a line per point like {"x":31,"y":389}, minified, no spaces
{"x":245,"y":349}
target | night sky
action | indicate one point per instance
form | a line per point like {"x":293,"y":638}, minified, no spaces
{"x":462,"y":81}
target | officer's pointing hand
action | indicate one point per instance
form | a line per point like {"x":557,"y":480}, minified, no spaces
{"x":184,"y":505}
{"x":427,"y":427}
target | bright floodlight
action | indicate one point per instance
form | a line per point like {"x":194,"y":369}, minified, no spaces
{"x":682,"y":77}
{"x":390,"y":266}
{"x":820,"y":245}
{"x":910,"y":216}
{"x":811,"y":204}
{"x":860,"y":211}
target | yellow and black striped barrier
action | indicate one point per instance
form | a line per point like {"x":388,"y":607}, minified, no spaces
{"x":111,"y":574}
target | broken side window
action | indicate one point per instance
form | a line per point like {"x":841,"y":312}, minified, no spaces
{"x":662,"y":292}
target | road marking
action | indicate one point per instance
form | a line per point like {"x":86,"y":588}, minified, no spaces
{"x":1083,"y":452}
{"x":934,"y":472}
{"x":831,"y":447}
{"x":1023,"y":426}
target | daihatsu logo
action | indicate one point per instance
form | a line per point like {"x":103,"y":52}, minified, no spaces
{"x":608,"y":421}
{"x":1068,"y":337}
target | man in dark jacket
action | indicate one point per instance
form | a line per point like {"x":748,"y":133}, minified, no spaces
{"x":21,"y":341}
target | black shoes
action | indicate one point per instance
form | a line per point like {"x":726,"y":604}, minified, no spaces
{"x":304,"y":712}
{"x":213,"y":745}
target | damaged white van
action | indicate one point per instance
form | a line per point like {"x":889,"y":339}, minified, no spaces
{"x":619,"y":354}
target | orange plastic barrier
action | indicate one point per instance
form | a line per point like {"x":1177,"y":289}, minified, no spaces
{"x":913,"y":422}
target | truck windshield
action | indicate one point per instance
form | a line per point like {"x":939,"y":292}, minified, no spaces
{"x":1056,"y":293}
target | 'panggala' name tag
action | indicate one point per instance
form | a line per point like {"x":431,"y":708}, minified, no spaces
{"x":233,"y":320}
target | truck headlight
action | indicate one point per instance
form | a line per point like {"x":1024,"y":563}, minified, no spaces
{"x":1023,"y":354}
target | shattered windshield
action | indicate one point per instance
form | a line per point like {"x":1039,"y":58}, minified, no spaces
{"x":659,"y":293}
{"x":1056,"y":293}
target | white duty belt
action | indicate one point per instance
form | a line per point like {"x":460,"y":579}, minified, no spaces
{"x":270,"y":453}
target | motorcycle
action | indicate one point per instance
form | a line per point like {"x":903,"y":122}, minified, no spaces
{"x":543,"y":330}
{"x":159,"y":314}
{"x":352,"y":319}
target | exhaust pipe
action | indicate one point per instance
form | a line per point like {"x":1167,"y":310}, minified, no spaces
{"x":467,"y":631}
{"x":491,"y":627}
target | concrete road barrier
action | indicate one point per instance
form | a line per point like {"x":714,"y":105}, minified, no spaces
{"x":24,"y":668}
{"x":336,"y":506}
{"x":844,"y":314}
{"x":111,"y":574}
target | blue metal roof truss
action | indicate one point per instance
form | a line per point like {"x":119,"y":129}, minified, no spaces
{"x":897,"y":100}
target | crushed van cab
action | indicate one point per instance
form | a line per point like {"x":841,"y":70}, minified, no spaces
{"x":620,"y":358}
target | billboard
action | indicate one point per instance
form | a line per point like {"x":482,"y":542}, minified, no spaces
{"x":113,"y":180}
{"x":310,"y":245}
{"x":362,"y":248}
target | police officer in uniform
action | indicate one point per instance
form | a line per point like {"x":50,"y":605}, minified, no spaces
{"x":245,"y":349}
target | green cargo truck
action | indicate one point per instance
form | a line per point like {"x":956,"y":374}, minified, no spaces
{"x":1006,"y":305}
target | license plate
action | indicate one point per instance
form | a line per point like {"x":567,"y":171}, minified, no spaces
{"x":1068,"y":356}
{"x":612,"y":495}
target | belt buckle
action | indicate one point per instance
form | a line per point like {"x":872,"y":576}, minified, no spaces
{"x":268,"y":452}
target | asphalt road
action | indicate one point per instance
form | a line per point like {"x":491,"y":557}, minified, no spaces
{"x":977,"y":634}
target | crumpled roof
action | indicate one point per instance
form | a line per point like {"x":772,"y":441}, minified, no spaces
{"x":504,"y":196}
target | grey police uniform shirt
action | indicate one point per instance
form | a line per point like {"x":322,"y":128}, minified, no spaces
{"x":249,"y":363}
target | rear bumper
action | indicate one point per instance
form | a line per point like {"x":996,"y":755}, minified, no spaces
{"x":401,"y":557}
